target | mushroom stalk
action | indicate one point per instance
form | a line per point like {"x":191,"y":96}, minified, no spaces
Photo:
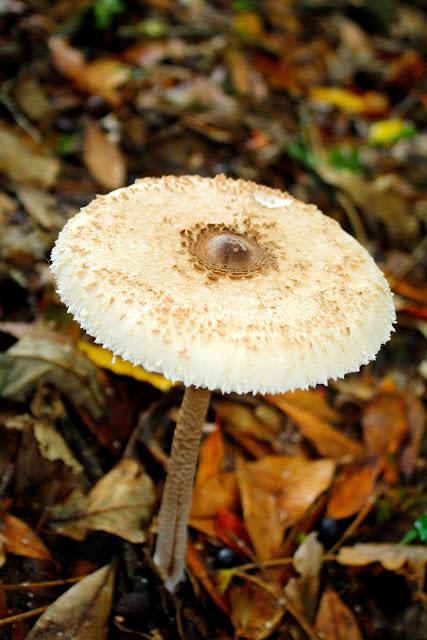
{"x":176,"y":501}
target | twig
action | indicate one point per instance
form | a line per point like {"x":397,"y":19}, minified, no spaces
{"x":22,"y":616}
{"x":354,"y":217}
{"x":278,"y":562}
{"x":359,"y":518}
{"x":40,"y":585}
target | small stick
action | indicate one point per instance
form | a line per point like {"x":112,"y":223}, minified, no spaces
{"x":40,"y":585}
{"x":22,"y":616}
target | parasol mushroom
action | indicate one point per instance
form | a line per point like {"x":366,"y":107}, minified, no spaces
{"x":221,"y":284}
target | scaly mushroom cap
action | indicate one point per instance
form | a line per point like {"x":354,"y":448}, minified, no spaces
{"x":223,"y":284}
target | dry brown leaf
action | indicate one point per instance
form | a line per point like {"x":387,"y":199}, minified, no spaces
{"x":213,"y":488}
{"x":304,"y":590}
{"x":41,"y":206}
{"x":275,"y":492}
{"x":81,"y":613}
{"x":352,"y":489}
{"x":334,"y":620}
{"x":103,"y":158}
{"x":241,"y":420}
{"x":385,"y":426}
{"x":24,"y":162}
{"x":255,"y":613}
{"x":101,"y":77}
{"x":18,"y":538}
{"x":417,"y":420}
{"x":312,"y":400}
{"x":118,"y":503}
{"x":391,"y":556}
{"x":329,"y":442}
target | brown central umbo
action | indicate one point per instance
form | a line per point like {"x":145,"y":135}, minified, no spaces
{"x":221,"y":250}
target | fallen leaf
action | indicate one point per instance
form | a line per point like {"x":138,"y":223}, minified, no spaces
{"x":213,"y":488}
{"x":241,"y":420}
{"x":230,"y":529}
{"x":385,"y":426}
{"x":308,"y":560}
{"x":103,"y":158}
{"x":368,"y":103}
{"x":255,"y":613}
{"x":198,"y":569}
{"x":18,"y":538}
{"x":101,"y":77}
{"x":81,"y":613}
{"x":312,"y":400}
{"x":32,"y":361}
{"x":417,"y":420}
{"x":329,"y":442}
{"x":275,"y":492}
{"x":352,"y":489}
{"x":391,"y":556}
{"x":41,"y":206}
{"x":387,"y":132}
{"x":25,"y":162}
{"x":335,"y":620}
{"x":51,"y":444}
{"x":103,"y":358}
{"x":118,"y":503}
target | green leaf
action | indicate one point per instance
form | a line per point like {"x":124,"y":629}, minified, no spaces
{"x":244,"y":5}
{"x":345,"y":158}
{"x":299,"y":151}
{"x":421,"y":527}
{"x":105,"y":12}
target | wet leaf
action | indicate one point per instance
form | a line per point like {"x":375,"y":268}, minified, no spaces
{"x":32,"y":361}
{"x":103,"y":158}
{"x":328,"y":441}
{"x":81,"y":613}
{"x":335,"y":620}
{"x":25,"y":162}
{"x":352,"y":489}
{"x":391,"y":556}
{"x":118,"y":504}
{"x":276,"y":491}
{"x":103,"y":358}
{"x":254,"y":612}
{"x":18,"y":538}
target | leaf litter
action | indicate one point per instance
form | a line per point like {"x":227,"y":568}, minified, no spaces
{"x":326,"y":102}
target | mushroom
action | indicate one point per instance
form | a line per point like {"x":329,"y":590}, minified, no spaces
{"x":221,"y":284}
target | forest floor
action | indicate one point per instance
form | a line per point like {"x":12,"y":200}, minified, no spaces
{"x":326,"y":100}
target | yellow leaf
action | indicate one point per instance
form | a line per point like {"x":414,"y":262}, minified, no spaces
{"x":370,"y":102}
{"x":248,"y":25}
{"x":103,"y":358}
{"x":389,"y":131}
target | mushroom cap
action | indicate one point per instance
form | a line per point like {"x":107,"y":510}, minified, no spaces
{"x":222,"y":284}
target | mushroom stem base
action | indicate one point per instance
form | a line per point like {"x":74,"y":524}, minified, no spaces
{"x":176,"y":501}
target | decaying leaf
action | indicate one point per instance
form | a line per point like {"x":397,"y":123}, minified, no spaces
{"x":18,"y":538}
{"x":81,"y":613}
{"x":352,"y":489}
{"x":334,"y":620}
{"x":392,"y":556}
{"x":118,"y":504}
{"x":51,"y":444}
{"x":275,"y":492}
{"x":329,"y":442}
{"x":103,"y":158}
{"x":32,"y":361}
{"x":304,"y":589}
{"x":24,"y":162}
{"x":103,"y":358}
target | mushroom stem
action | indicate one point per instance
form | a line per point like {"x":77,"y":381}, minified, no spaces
{"x":176,"y":501}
